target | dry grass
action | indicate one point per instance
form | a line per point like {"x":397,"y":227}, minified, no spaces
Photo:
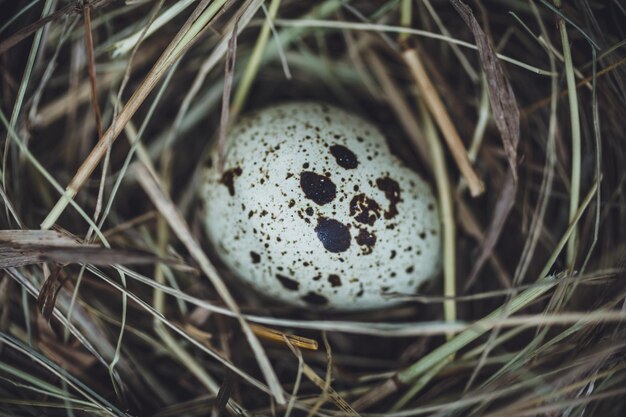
{"x":107,"y":110}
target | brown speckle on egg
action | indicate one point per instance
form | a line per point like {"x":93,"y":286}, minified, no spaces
{"x":345,"y":157}
{"x":334,"y":280}
{"x":288,"y":283}
{"x":318,"y":188}
{"x":366,"y":240}
{"x":364,"y":209}
{"x":392,"y":192}
{"x":228,"y":179}
{"x":315,"y":299}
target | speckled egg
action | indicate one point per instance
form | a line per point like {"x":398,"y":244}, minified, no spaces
{"x":313,"y":210}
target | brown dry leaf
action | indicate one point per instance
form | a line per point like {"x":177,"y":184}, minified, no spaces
{"x":37,"y":237}
{"x":48,"y":293}
{"x":505,"y":203}
{"x":27,"y":247}
{"x":501,"y":96}
{"x":223,"y":395}
{"x":507,"y":118}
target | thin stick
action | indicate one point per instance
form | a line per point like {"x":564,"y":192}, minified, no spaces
{"x":448,"y":223}
{"x":92,"y":68}
{"x":438,"y":110}
{"x":278,"y":336}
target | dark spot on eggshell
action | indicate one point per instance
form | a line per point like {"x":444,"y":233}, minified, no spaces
{"x":228,"y":179}
{"x":318,"y":188}
{"x":309,"y":211}
{"x":256,"y":258}
{"x":288,"y":283}
{"x":361,"y":291}
{"x":392,"y":192}
{"x":334,"y":280}
{"x":393,"y":254}
{"x":345,"y":157}
{"x":334,"y":235}
{"x":366,"y":240}
{"x":315,"y":299}
{"x":364,"y":209}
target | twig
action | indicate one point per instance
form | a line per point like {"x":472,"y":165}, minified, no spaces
{"x":447,"y":220}
{"x":437,"y":109}
{"x":92,"y":68}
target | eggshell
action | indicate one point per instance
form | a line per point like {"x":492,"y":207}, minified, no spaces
{"x":312,"y":209}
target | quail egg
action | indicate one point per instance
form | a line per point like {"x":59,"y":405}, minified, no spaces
{"x":311,"y":209}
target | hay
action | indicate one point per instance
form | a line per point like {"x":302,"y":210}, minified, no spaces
{"x":514,"y":111}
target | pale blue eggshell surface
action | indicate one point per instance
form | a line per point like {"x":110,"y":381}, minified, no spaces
{"x":313,"y":210}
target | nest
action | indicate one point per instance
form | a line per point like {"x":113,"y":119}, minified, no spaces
{"x":112,"y":303}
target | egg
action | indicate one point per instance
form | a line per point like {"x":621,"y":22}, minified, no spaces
{"x":311,"y":209}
